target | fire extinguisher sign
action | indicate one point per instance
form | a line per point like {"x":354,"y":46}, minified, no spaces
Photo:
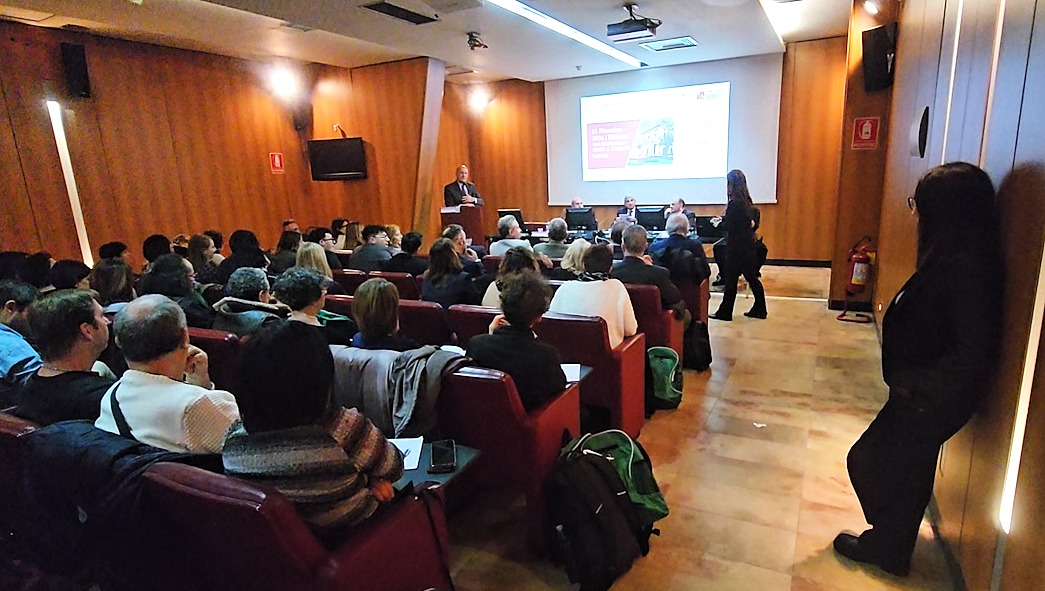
{"x":865,"y":133}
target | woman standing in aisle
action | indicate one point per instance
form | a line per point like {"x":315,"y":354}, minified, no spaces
{"x":741,"y":259}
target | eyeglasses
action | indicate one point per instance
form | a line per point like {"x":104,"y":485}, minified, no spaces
{"x":327,"y":240}
{"x":911,"y":203}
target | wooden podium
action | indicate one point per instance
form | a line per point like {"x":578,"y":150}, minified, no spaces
{"x":468,"y":217}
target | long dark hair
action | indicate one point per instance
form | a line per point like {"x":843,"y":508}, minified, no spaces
{"x":736,"y":189}
{"x":956,"y":213}
{"x":442,"y":261}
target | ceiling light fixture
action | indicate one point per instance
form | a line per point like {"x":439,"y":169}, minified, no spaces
{"x":479,"y":99}
{"x":285,"y":83}
{"x":516,"y":7}
{"x":870,"y":7}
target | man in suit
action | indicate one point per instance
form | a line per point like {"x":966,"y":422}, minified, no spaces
{"x":628,"y":211}
{"x":461,"y":192}
{"x":678,"y":239}
{"x":470,"y":259}
{"x":638,"y":269}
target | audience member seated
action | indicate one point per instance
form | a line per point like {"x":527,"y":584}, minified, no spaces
{"x":516,"y":260}
{"x":247,"y":307}
{"x":664,"y":252}
{"x":555,"y":247}
{"x":18,"y":359}
{"x":513,"y":348}
{"x":374,"y":252}
{"x":219,"y":242}
{"x":305,"y":292}
{"x":153,"y":248}
{"x":165,"y":397}
{"x":201,"y":255}
{"x":395,"y":239}
{"x":638,"y":268}
{"x":246,"y":252}
{"x":171,"y":275}
{"x":324,"y":238}
{"x":289,"y":225}
{"x":375,"y":309}
{"x":471,"y":261}
{"x":71,"y":333}
{"x":511,"y":236}
{"x":12,"y":265}
{"x":37,"y":267}
{"x":286,"y":253}
{"x":572,"y":264}
{"x":353,"y":236}
{"x":113,"y":281}
{"x":312,"y":256}
{"x":617,"y":238}
{"x":595,"y":294}
{"x":180,"y":245}
{"x":408,"y":261}
{"x":69,"y":274}
{"x":446,"y":283}
{"x":114,"y":250}
{"x":332,"y":463}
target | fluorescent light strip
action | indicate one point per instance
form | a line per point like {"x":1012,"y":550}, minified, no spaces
{"x":536,"y":16}
{"x":991,"y":88}
{"x":55,"y":111}
{"x":950,"y":82}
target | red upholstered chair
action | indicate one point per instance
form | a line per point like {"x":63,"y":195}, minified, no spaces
{"x":697,"y":298}
{"x":13,"y":516}
{"x":236,"y":535}
{"x":659,"y":325}
{"x":343,"y":256}
{"x":480,"y":408}
{"x":404,"y":282}
{"x":350,"y":279}
{"x":491,"y":263}
{"x":222,"y":349}
{"x":469,"y":321}
{"x":338,"y":304}
{"x":425,"y":322}
{"x":617,"y":380}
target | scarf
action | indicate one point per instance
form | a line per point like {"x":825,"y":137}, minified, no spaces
{"x":592,"y":277}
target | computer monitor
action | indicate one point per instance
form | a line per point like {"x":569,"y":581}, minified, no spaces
{"x":516,"y":213}
{"x":705,"y":229}
{"x":651,"y":218}
{"x":581,"y":218}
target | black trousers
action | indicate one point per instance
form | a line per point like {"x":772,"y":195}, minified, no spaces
{"x":892,"y":467}
{"x":740,"y":263}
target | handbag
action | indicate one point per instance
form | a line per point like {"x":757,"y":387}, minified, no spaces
{"x":696,"y":347}
{"x":761,"y":253}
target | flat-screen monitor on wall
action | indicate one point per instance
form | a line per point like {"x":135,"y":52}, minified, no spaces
{"x":339,"y":159}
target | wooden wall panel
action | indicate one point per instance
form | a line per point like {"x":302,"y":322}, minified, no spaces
{"x":455,"y":132}
{"x":16,"y":215}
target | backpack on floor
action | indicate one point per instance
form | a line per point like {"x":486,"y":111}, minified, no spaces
{"x":666,"y":377}
{"x":594,"y":523}
{"x":696,"y":346}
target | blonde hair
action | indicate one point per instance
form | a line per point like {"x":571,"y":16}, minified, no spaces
{"x":392,"y":230}
{"x":573,"y":260}
{"x":312,"y":256}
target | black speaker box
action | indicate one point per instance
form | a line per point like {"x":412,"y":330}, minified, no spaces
{"x":74,"y":60}
{"x":879,"y":52}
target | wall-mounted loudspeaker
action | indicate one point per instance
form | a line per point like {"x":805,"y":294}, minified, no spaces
{"x":74,"y":61}
{"x":302,"y":115}
{"x":878,"y":59}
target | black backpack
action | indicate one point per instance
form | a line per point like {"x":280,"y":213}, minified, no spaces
{"x":596,"y":529}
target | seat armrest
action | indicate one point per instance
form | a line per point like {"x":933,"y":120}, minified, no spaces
{"x":544,"y":427}
{"x":631,"y":358}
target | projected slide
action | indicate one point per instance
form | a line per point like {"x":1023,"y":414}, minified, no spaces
{"x":672,"y":133}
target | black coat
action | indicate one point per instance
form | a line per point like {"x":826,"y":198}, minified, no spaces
{"x":635,"y":271}
{"x":534,"y":366}
{"x":452,"y":194}
{"x":662,"y":251}
{"x":406,"y":263}
{"x":450,"y":290}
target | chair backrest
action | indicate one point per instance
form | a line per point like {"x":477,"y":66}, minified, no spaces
{"x":212,"y":293}
{"x":13,"y":515}
{"x":491,"y":263}
{"x":408,"y":288}
{"x":344,"y":256}
{"x":350,"y":279}
{"x":480,"y":407}
{"x":579,"y":339}
{"x":339,"y":304}
{"x":651,"y":316}
{"x":425,"y":322}
{"x":697,"y":298}
{"x":468,"y":321}
{"x":223,"y":351}
{"x":234,"y":534}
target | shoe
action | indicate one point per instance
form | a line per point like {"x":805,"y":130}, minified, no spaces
{"x":722,"y":317}
{"x":761,"y":314}
{"x":718,"y":282}
{"x":849,"y":546}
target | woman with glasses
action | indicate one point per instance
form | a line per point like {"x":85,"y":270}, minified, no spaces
{"x":940,"y":343}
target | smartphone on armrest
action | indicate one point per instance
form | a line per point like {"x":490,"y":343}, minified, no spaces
{"x":444,"y":457}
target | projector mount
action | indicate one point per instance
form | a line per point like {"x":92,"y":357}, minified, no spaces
{"x":634,"y":27}
{"x":476,"y":42}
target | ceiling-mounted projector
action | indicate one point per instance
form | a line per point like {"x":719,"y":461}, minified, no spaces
{"x":633,"y":28}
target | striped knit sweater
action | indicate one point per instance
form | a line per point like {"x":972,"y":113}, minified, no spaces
{"x":323,"y":469}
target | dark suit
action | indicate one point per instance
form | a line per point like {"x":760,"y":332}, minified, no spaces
{"x":624,"y":211}
{"x":453,"y":195}
{"x":406,"y":263}
{"x":635,"y":271}
{"x":940,"y":342}
{"x":450,"y":290}
{"x":533,"y":365}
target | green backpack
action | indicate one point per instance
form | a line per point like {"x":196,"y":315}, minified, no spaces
{"x":632,"y":463}
{"x":667,"y":377}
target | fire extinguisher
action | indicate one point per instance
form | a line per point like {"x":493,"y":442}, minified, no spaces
{"x":861,"y":257}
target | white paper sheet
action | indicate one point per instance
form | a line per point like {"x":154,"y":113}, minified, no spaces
{"x":411,"y":449}
{"x":572,"y":371}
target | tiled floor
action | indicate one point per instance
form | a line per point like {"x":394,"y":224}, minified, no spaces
{"x":752,"y":507}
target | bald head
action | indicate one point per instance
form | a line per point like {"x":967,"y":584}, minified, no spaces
{"x":150,"y":327}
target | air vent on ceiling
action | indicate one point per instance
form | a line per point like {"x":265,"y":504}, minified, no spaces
{"x":294,"y":27}
{"x":402,"y":13}
{"x":458,"y":71}
{"x":669,"y":44}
